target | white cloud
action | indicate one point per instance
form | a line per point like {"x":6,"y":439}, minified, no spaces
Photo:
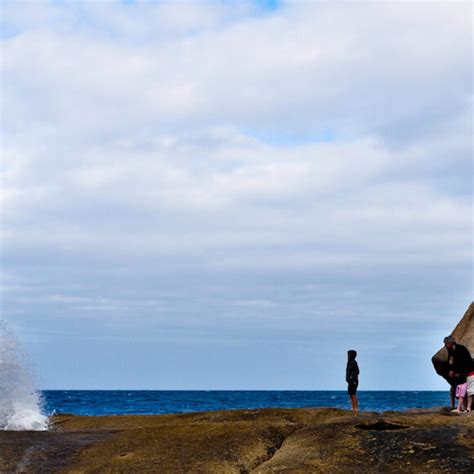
{"x":189,"y":195}
{"x":311,"y":69}
{"x":210,"y":136}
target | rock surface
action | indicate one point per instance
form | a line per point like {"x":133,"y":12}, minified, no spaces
{"x":260,"y":441}
{"x":464,"y":334}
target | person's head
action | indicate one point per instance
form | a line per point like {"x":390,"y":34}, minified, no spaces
{"x":449,"y":342}
{"x":351,"y":355}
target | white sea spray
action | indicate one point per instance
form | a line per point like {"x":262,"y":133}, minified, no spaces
{"x":20,"y":402}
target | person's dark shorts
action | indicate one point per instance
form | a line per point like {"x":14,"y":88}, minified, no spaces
{"x":352,"y":388}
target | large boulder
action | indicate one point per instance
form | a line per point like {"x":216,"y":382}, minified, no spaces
{"x":464,"y":334}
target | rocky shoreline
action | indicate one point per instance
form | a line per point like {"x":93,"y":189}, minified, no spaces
{"x":242,"y":441}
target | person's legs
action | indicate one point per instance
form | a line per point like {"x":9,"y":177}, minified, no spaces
{"x":355,"y":403}
{"x":469,"y":402}
{"x":352,"y":390}
{"x":452,"y":396}
{"x":461,"y":394}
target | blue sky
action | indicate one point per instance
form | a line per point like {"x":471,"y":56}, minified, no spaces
{"x":217,"y":195}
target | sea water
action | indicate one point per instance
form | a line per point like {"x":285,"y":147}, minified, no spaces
{"x":22,"y":407}
{"x":20,"y":402}
{"x":119,"y":402}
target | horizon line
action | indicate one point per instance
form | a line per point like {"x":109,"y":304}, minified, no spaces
{"x":226,"y":390}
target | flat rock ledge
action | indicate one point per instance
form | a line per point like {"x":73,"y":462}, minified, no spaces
{"x":244,"y":441}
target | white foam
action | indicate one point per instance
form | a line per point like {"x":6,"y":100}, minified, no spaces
{"x":20,"y":402}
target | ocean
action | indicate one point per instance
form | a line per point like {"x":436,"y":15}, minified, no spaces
{"x":120,"y":402}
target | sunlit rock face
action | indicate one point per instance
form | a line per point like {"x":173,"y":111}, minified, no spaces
{"x":464,"y":334}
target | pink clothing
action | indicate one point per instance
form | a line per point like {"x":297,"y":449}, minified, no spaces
{"x":461,"y":390}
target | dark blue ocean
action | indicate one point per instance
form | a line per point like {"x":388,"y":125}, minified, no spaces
{"x":118,"y":402}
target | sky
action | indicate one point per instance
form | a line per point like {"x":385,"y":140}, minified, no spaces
{"x":230,"y":195}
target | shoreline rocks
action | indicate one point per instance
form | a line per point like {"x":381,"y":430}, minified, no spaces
{"x":243,"y":441}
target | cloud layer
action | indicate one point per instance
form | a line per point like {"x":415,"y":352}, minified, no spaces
{"x":315,"y":139}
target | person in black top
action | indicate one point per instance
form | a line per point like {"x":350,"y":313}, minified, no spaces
{"x":461,"y":365}
{"x":462,"y":360}
{"x":352,"y":378}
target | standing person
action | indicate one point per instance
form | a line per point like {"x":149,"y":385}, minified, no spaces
{"x":352,"y":379}
{"x":462,"y":366}
{"x":470,"y":391}
{"x":452,"y":390}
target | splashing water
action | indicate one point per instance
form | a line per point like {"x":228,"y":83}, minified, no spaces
{"x":20,"y":405}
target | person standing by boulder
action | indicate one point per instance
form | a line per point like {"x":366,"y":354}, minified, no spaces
{"x":352,"y":378}
{"x":470,"y":390}
{"x":462,"y":366}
